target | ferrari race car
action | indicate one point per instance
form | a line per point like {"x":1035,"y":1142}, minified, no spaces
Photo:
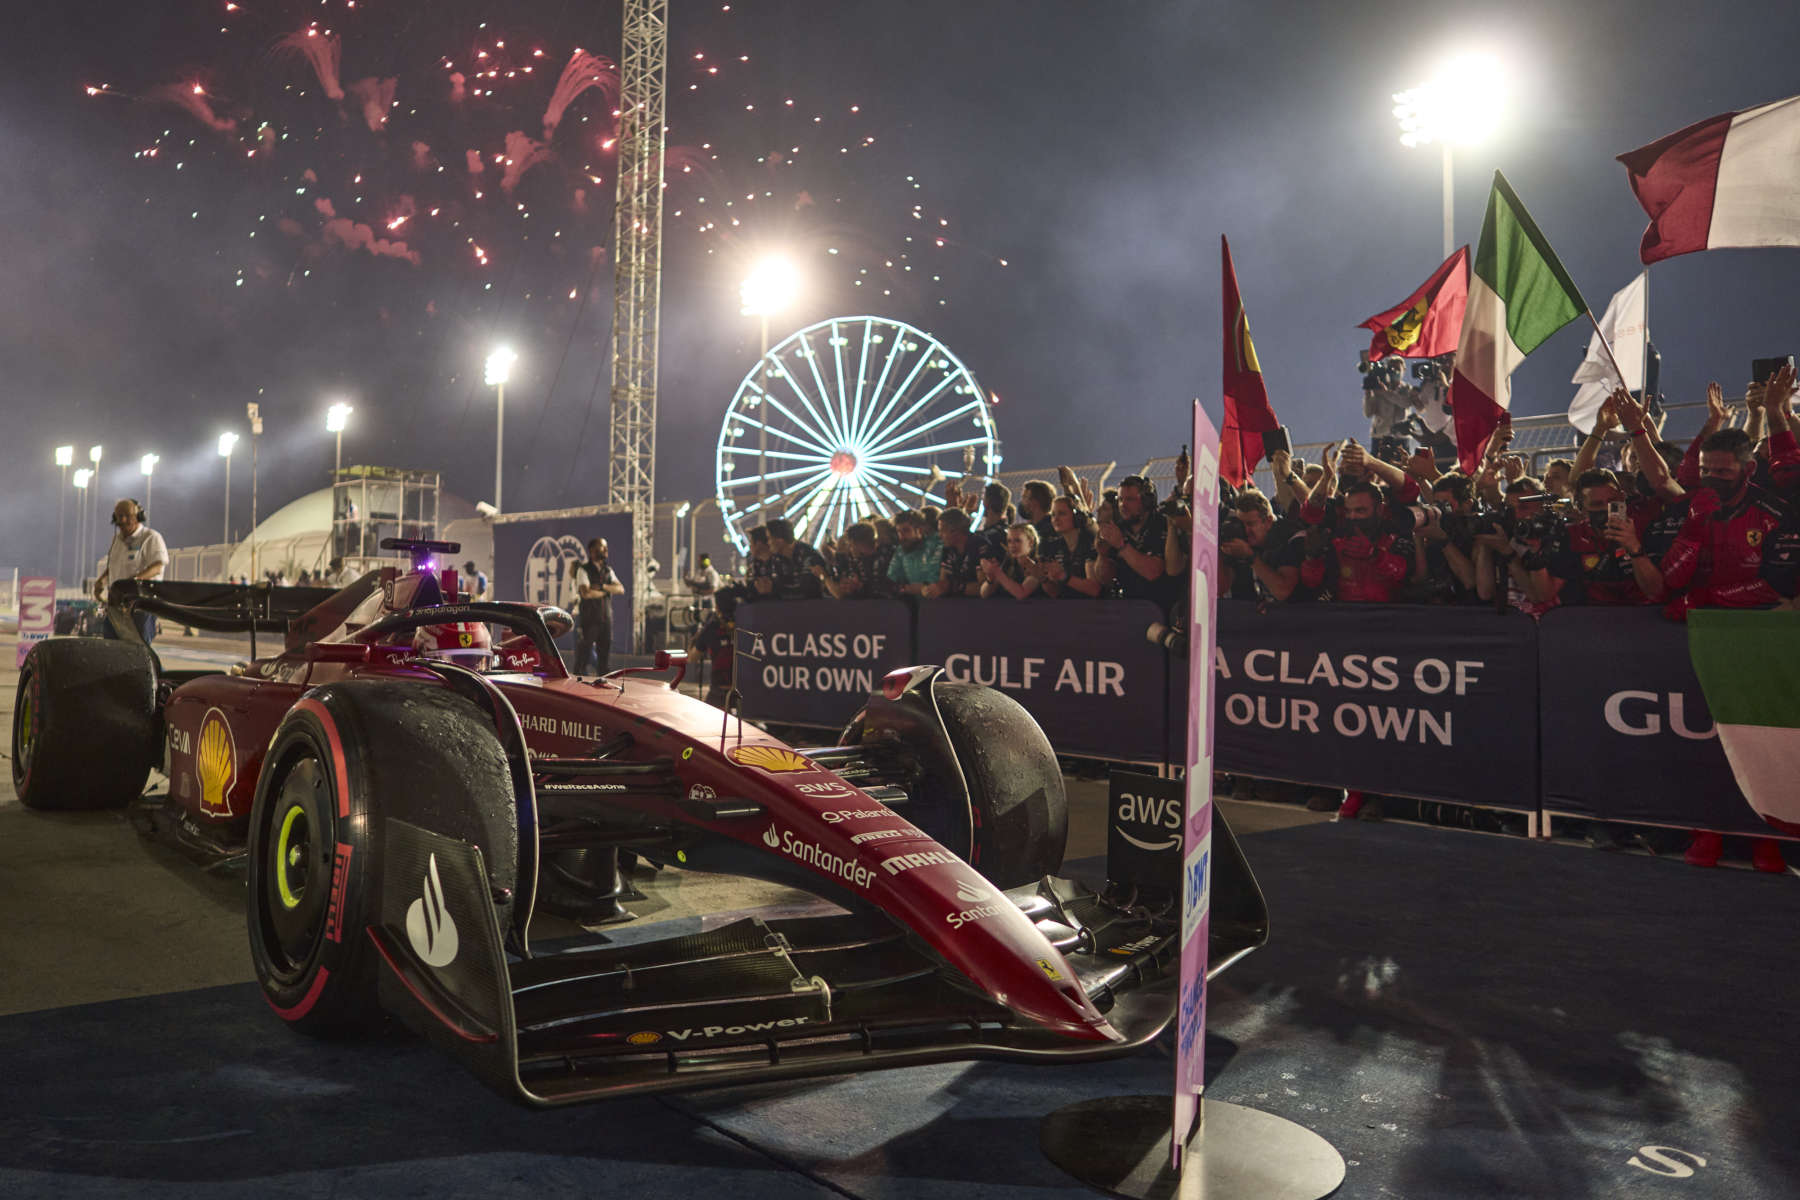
{"x":413,"y":777}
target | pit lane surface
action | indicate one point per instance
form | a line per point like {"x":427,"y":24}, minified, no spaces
{"x":1461,"y":1015}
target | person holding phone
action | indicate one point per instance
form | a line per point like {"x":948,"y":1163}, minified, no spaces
{"x":1589,"y":564}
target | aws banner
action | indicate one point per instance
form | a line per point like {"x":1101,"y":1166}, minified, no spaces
{"x":1083,"y":668}
{"x":1401,"y":700}
{"x":533,"y":555}
{"x":1626,"y":731}
{"x":814,"y":662}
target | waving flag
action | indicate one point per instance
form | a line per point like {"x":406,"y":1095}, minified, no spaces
{"x":1520,"y":295}
{"x":1247,"y":412}
{"x":1749,"y":668}
{"x":1428,"y":322}
{"x":1623,"y":327}
{"x":1728,"y":181}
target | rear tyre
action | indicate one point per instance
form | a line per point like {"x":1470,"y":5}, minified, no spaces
{"x":85,"y":725}
{"x":342,"y":758}
{"x":1020,"y":810}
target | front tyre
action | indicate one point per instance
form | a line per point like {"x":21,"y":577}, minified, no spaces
{"x":347,"y":757}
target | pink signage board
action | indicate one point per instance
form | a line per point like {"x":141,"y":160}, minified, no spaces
{"x":1196,"y":842}
{"x":37,"y":613}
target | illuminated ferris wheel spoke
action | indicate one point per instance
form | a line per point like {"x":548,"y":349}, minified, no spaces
{"x":768,"y":500}
{"x":854,"y":434}
{"x":900,"y":393}
{"x":823,"y":425}
{"x":747,"y":480}
{"x":745,"y":419}
{"x":903,"y":422}
{"x":821,"y":459}
{"x":840,"y":419}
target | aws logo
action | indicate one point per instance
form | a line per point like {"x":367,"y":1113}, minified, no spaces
{"x":1154,"y":812}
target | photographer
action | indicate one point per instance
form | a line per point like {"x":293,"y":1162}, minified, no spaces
{"x":1259,"y":556}
{"x":1590,"y":564}
{"x":1517,"y":545}
{"x":1136,"y":539}
{"x":1446,"y":542}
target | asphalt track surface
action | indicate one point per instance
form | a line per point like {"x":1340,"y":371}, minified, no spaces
{"x":1460,"y":1014}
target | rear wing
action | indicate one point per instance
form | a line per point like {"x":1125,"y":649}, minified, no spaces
{"x":215,"y":607}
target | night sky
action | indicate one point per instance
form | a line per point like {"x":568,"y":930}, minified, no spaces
{"x":1097,"y":150}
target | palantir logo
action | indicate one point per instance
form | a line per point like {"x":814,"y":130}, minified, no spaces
{"x":429,"y":926}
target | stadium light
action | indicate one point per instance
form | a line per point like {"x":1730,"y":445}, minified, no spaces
{"x":771,"y":286}
{"x":499,"y":370}
{"x":65,"y":456}
{"x":227,"y":442}
{"x":147,"y":468}
{"x":1463,"y":102}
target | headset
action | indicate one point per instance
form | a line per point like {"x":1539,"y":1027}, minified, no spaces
{"x":142,"y":516}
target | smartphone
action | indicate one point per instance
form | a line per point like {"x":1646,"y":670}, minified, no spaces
{"x":1763,"y":369}
{"x":1615,"y":510}
{"x":1506,"y":418}
{"x":1276,"y":439}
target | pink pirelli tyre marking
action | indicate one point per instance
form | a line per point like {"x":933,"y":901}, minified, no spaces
{"x":306,"y":1002}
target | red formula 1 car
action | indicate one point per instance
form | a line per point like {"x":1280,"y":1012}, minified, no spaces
{"x":413,"y":777}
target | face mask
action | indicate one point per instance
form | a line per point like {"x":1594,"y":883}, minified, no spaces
{"x":1597,"y":519}
{"x":1723,"y":488}
{"x":1368,"y":526}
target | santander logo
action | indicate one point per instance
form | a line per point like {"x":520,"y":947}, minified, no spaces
{"x":771,"y":839}
{"x":428,"y":924}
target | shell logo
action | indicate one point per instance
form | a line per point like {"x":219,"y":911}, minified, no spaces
{"x":216,"y":760}
{"x":773,"y":759}
{"x":647,"y":1037}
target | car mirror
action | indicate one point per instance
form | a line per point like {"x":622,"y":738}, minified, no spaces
{"x":557,"y":620}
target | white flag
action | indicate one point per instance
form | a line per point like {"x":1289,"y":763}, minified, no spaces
{"x":1623,"y":326}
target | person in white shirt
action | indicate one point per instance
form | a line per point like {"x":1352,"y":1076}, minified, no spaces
{"x":476,"y":581}
{"x":704,"y":580}
{"x":137,"y":552}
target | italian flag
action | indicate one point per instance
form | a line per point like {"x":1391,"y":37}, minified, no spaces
{"x":1749,"y":667}
{"x":1519,"y":296}
{"x":1730,"y":180}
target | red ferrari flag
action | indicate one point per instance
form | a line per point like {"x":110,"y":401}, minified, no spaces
{"x":1247,"y":412}
{"x":1428,"y":322}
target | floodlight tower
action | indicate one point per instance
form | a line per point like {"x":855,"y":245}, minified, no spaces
{"x":1464,"y":101}
{"x":637,"y":284}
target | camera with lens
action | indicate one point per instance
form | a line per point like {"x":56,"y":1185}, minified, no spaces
{"x":1432,"y":370}
{"x":1231,"y":526}
{"x":1382,"y":375}
{"x":1175,"y":641}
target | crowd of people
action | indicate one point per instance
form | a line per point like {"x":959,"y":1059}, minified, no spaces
{"x":1631,"y":519}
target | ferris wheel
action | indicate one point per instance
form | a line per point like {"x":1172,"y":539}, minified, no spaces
{"x":844,"y":420}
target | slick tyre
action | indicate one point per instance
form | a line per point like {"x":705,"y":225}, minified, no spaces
{"x":1020,"y":810}
{"x":85,"y":725}
{"x":346,"y":758}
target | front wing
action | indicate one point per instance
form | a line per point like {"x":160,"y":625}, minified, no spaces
{"x":750,"y":1001}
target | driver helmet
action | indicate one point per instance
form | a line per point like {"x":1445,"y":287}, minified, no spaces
{"x":467,"y":642}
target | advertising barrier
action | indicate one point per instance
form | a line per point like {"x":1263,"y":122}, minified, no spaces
{"x":1625,"y":728}
{"x":532,"y":556}
{"x":1401,"y":700}
{"x":1589,"y":712}
{"x":1082,"y":669}
{"x":814,"y":662}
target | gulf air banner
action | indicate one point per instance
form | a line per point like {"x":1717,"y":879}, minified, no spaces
{"x":37,"y":613}
{"x":1196,"y":831}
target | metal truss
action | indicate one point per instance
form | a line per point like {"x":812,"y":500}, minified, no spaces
{"x":637,"y":284}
